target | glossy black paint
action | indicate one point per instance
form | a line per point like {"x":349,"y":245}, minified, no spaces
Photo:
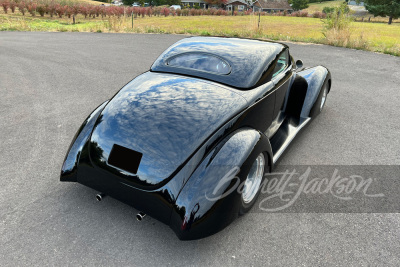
{"x":191,"y":132}
{"x":249,"y":59}
{"x":163,"y":117}
{"x":206,"y":204}
{"x":70,"y":165}
{"x":316,"y":78}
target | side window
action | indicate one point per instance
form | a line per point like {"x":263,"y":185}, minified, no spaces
{"x":282,"y":64}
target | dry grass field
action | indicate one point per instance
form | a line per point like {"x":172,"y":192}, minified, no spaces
{"x":314,"y":7}
{"x":378,"y":37}
{"x":318,"y":7}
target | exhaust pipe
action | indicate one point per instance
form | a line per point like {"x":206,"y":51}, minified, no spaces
{"x":140,"y":216}
{"x":100,"y":196}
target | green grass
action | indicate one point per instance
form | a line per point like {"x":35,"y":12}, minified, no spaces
{"x":47,"y":25}
{"x":314,"y":7}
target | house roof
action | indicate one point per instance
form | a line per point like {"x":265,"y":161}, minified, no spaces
{"x":194,"y":1}
{"x":274,"y":4}
{"x":243,"y":2}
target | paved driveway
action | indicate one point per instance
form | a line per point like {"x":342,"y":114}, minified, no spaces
{"x":50,"y":82}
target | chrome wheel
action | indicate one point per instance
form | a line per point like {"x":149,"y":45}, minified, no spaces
{"x":253,"y":180}
{"x":323,"y":99}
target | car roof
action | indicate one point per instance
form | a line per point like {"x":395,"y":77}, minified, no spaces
{"x":249,"y":59}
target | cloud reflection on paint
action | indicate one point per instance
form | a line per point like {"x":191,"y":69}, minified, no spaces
{"x":165,"y":117}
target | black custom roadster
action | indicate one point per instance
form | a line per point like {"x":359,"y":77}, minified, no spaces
{"x":189,"y":141}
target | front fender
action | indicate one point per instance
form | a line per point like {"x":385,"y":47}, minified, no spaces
{"x":70,"y":165}
{"x":316,"y":78}
{"x":210,"y":200}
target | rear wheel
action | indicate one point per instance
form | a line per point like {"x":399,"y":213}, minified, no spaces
{"x":321,"y":100}
{"x":253,"y":182}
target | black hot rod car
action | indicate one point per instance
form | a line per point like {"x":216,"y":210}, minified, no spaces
{"x":212,"y":115}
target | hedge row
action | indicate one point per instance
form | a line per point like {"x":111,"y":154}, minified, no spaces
{"x":62,"y":8}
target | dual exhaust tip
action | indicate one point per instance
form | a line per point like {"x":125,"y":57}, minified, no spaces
{"x":139,"y":216}
{"x":100,"y":196}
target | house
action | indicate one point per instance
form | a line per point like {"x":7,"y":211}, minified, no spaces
{"x":192,"y":3}
{"x":272,"y":6}
{"x":237,"y":5}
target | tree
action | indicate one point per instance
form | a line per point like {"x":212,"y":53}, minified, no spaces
{"x":126,"y":2}
{"x":390,"y":8}
{"x":299,"y":4}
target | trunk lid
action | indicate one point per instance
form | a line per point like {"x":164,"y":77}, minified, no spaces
{"x":163,"y":119}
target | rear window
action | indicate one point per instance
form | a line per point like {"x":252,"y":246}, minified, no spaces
{"x":201,"y":62}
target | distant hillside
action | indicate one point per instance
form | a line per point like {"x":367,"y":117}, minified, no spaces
{"x":314,"y":7}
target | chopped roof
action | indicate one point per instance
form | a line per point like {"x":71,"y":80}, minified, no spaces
{"x":248,"y":59}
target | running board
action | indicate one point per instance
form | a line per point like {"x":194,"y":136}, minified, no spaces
{"x":285,"y":135}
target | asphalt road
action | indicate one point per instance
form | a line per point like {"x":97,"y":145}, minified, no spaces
{"x":50,"y":82}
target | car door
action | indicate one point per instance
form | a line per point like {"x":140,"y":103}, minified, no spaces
{"x":281,"y":77}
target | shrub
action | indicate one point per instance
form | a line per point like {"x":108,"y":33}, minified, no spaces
{"x":142,"y":11}
{"x":84,"y":10}
{"x":5,"y":4}
{"x":69,"y":11}
{"x":92,"y":11}
{"x":218,"y":12}
{"x":97,"y":10}
{"x":319,"y":15}
{"x":328,"y":10}
{"x":213,"y":11}
{"x":41,"y":9}
{"x":76,"y":9}
{"x":69,"y":8}
{"x":32,"y":8}
{"x":303,"y":13}
{"x":51,"y":9}
{"x":22,"y":7}
{"x":336,"y":29}
{"x":339,"y":19}
{"x":165,"y":11}
{"x":60,"y":10}
{"x":300,"y":14}
{"x":13,"y":5}
{"x":185,"y":12}
{"x":136,"y":11}
{"x":103,"y":12}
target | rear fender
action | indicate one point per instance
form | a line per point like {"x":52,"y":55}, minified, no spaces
{"x":316,"y":78}
{"x":210,"y":200}
{"x":70,"y":165}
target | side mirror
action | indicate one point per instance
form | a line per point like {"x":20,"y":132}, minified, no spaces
{"x":299,"y":64}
